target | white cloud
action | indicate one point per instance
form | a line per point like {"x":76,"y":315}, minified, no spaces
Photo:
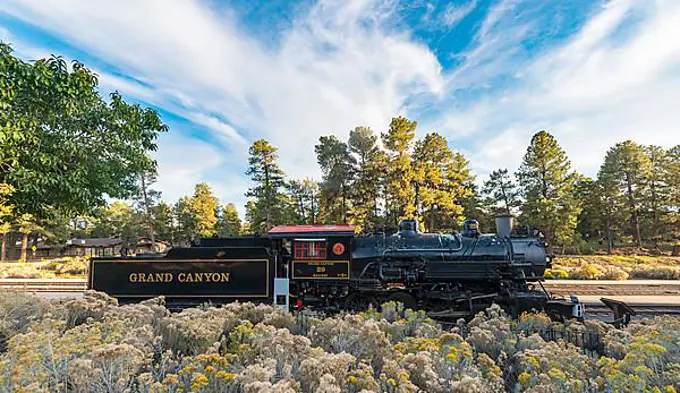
{"x":341,"y":64}
{"x":455,"y":13}
{"x":598,"y":88}
{"x":177,"y":174}
{"x":337,"y":67}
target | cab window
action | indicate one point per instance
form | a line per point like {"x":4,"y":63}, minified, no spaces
{"x":310,"y":249}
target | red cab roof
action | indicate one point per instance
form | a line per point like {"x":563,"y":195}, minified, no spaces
{"x":311,"y":228}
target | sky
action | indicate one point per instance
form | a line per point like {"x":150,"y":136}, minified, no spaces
{"x":487,"y":74}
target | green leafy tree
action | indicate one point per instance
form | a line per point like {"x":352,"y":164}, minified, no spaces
{"x":269,"y":204}
{"x":228,"y":224}
{"x":5,"y":217}
{"x":547,"y":183}
{"x":370,"y":163}
{"x":118,"y":219}
{"x":27,"y":225}
{"x":63,"y":147}
{"x":399,"y":192}
{"x":337,"y":167}
{"x":502,"y":192}
{"x":626,"y":170}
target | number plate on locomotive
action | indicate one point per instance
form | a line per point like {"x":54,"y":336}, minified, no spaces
{"x":331,"y":270}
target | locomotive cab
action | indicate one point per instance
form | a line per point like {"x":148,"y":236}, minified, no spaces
{"x":314,"y":262}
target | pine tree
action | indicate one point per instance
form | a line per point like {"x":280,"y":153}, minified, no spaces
{"x":304,"y":201}
{"x":502,"y":192}
{"x":655,"y":203}
{"x":337,"y":167}
{"x":603,"y":207}
{"x":369,"y":169}
{"x":626,"y":169}
{"x":204,"y":207}
{"x":163,"y":222}
{"x":399,"y":192}
{"x":268,"y":178}
{"x":547,"y":184}
{"x":441,"y":180}
{"x":228,"y":224}
{"x":459,"y":182}
{"x":186,"y":221}
{"x":146,"y":199}
{"x":672,"y":180}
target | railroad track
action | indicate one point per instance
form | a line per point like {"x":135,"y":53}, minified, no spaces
{"x":42,"y":285}
{"x":588,"y":291}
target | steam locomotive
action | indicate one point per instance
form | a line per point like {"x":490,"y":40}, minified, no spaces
{"x":328,"y":267}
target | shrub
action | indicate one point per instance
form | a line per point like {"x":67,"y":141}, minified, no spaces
{"x":556,"y":274}
{"x":656,"y":273}
{"x":69,"y":265}
{"x":587,"y":272}
{"x":95,"y":345}
{"x":615,"y":274}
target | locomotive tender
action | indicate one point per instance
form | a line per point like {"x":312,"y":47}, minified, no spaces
{"x":329,"y":267}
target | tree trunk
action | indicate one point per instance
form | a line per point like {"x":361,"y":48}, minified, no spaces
{"x":269,"y":197}
{"x":505,"y":200}
{"x":3,"y":253}
{"x":24,"y":246}
{"x":34,"y":244}
{"x":344,"y":206}
{"x":149,"y":220}
{"x":635,"y":225}
{"x":313,"y":211}
{"x":609,"y":235}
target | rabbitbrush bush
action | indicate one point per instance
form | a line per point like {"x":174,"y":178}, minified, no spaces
{"x":95,"y":345}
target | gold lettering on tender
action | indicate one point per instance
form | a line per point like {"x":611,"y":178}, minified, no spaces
{"x":142,"y":277}
{"x":159,"y":277}
{"x":133,"y":277}
{"x":190,"y":277}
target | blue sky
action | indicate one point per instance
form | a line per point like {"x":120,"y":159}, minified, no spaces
{"x":487,"y":74}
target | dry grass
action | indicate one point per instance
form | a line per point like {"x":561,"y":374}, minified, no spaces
{"x":65,"y":267}
{"x":616,"y":267}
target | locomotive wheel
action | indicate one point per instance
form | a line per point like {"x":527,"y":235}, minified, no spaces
{"x":402,"y":297}
{"x":357,"y":301}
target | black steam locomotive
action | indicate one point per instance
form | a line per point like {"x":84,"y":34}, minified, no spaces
{"x":329,"y":267}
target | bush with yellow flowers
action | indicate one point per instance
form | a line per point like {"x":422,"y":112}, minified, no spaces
{"x":93,"y":345}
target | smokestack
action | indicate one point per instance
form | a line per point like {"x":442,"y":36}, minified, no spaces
{"x":504,"y":225}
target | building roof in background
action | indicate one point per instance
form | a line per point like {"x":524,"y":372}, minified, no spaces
{"x":95,"y":242}
{"x":312,"y":229}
